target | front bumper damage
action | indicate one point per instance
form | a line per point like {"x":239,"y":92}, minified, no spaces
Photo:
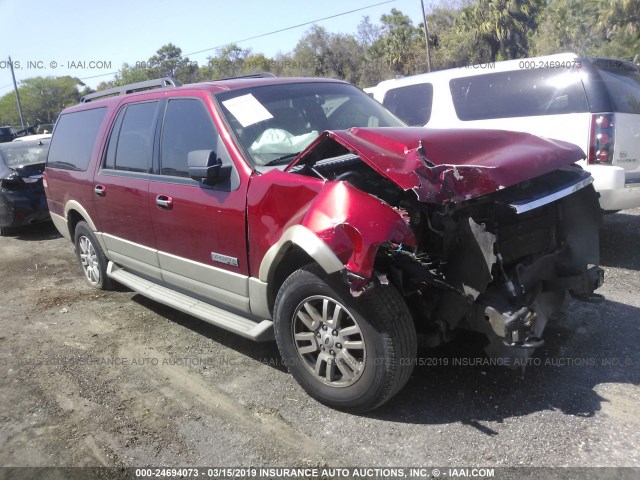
{"x":509,"y":271}
{"x":479,"y":230}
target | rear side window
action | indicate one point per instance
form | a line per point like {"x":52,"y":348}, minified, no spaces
{"x":134,"y":144}
{"x":412,"y":104}
{"x":519,"y":93}
{"x":74,"y":138}
{"x":187,"y":127}
{"x":622,"y":81}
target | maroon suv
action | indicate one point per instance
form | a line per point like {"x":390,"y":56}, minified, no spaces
{"x":303,"y":208}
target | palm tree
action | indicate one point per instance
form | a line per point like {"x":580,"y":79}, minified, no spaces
{"x":619,"y":15}
{"x":503,"y":24}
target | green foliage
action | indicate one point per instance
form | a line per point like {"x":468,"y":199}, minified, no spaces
{"x":229,"y":61}
{"x":567,"y":26}
{"x":42,"y":99}
{"x":607,"y":28}
{"x":401,"y":41}
{"x":503,"y":25}
{"x":167,"y":62}
{"x":452,"y":46}
{"x":322,"y":54}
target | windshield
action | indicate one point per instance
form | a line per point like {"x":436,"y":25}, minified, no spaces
{"x":23,"y":153}
{"x":276,"y":122}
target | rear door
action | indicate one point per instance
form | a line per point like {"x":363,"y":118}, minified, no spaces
{"x":121,"y":189}
{"x":200,"y":229}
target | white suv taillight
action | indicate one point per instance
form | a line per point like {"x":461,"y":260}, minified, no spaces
{"x":602,"y":139}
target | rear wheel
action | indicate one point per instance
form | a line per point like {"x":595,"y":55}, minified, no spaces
{"x":91,"y":257}
{"x":348,"y":353}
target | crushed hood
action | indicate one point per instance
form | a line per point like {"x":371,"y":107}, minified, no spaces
{"x":444,"y":166}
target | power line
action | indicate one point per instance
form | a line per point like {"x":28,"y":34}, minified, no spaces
{"x":291,"y":28}
{"x":267,"y":34}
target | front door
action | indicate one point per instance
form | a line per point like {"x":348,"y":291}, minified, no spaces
{"x":199,"y":229}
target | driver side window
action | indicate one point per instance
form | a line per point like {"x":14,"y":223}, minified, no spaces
{"x":187,"y":127}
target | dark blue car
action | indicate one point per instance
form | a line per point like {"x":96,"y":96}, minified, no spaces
{"x":22,"y":198}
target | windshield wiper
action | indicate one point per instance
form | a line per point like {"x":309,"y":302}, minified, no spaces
{"x":281,"y":160}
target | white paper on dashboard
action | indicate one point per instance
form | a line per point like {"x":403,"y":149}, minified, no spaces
{"x":247,"y":109}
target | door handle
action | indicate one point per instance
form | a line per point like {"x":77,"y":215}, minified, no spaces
{"x":100,"y":190}
{"x":164,"y":201}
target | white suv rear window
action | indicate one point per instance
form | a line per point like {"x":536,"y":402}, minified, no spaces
{"x":622,"y":81}
{"x":519,"y":93}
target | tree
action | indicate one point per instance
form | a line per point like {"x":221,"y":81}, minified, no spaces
{"x":620,"y":23}
{"x":503,"y":24}
{"x":605,"y":28}
{"x":452,"y":46}
{"x":567,"y":26}
{"x":368,"y":33}
{"x":42,"y":99}
{"x":311,"y":52}
{"x":401,"y":42}
{"x":620,"y":15}
{"x":229,"y":61}
{"x":322,"y":54}
{"x":167,"y":62}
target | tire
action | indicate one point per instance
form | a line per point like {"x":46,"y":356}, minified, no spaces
{"x":360,"y":361}
{"x":93,"y":261}
{"x":4,"y":231}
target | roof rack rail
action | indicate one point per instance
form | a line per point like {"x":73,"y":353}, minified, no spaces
{"x":251,"y":75}
{"x":131,"y":88}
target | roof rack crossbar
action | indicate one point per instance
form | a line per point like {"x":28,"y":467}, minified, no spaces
{"x":131,"y":88}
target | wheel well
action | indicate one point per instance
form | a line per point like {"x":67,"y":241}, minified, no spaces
{"x":73,"y":217}
{"x":294,"y":259}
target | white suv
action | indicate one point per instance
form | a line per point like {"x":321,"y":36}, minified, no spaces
{"x":591,"y":102}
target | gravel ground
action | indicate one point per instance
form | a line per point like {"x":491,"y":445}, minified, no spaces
{"x":90,"y":378}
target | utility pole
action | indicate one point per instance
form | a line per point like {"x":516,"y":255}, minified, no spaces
{"x":426,"y":36}
{"x":15,"y":87}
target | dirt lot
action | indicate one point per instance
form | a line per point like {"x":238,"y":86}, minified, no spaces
{"x":91,"y":378}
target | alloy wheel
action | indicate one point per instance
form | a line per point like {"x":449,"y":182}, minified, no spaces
{"x":89,"y":260}
{"x":329,"y":341}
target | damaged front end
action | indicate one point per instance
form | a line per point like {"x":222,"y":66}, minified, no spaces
{"x":500,"y":226}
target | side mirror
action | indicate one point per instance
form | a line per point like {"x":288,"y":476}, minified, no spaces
{"x":206,"y":167}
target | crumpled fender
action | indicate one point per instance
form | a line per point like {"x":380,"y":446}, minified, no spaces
{"x":332,"y":211}
{"x":337,"y":218}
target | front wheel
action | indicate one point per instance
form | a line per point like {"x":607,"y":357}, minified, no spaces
{"x":91,"y":257}
{"x":348,"y":353}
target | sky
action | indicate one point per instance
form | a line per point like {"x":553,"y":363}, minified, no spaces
{"x":86,"y":39}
